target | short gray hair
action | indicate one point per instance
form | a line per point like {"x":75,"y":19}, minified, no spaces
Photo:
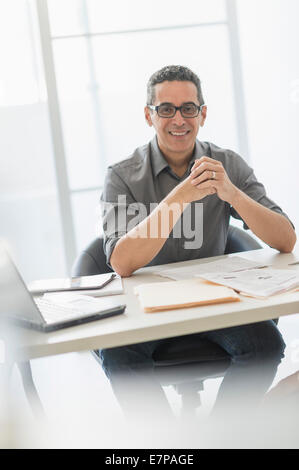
{"x":173,"y":73}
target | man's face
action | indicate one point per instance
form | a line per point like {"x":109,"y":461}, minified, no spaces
{"x":176,"y":136}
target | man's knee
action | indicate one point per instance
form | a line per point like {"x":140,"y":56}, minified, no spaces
{"x":122,"y":358}
{"x":273,"y":344}
{"x":265,"y":342}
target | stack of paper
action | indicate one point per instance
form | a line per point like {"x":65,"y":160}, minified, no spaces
{"x":98,"y":285}
{"x":85,"y":303}
{"x":257,"y":282}
{"x":159,"y":296}
{"x":228,"y":264}
{"x":114,"y":287}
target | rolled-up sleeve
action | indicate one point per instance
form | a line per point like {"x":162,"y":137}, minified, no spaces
{"x":246,"y":180}
{"x":115,"y":201}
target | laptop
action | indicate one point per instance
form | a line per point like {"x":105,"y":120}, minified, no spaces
{"x":18,"y":305}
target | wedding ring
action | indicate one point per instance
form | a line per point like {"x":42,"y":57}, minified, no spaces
{"x":213,"y":175}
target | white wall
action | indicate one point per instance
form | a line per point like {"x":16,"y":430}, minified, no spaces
{"x":269,"y":37}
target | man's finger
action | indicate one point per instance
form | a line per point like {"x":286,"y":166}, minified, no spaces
{"x":205,"y":166}
{"x":206,"y":175}
{"x":207,"y":184}
{"x":203,"y":159}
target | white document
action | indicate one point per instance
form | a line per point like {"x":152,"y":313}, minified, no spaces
{"x":96,"y":285}
{"x":113,"y":288}
{"x":257,"y":282}
{"x":82,"y":302}
{"x":228,"y":264}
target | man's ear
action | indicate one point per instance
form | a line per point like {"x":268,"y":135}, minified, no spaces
{"x":148,"y":116}
{"x":203,"y":115}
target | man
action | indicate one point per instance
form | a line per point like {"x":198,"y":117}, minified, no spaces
{"x":204,"y":185}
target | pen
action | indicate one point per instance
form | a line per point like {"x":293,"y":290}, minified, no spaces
{"x":113,"y":275}
{"x":104,"y":284}
{"x":293,"y":264}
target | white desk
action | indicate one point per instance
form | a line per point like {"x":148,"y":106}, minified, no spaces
{"x":136,"y":326}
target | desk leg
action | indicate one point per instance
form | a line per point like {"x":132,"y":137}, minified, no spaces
{"x":30,"y":390}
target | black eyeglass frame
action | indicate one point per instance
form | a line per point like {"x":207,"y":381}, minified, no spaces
{"x":176,"y":108}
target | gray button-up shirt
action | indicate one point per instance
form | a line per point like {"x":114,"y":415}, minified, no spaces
{"x":134,"y":187}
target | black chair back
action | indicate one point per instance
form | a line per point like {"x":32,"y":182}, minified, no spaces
{"x":92,"y":260}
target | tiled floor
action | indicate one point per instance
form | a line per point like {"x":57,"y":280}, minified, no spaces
{"x":82,"y":411}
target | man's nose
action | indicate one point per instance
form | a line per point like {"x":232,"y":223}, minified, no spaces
{"x":178,"y":118}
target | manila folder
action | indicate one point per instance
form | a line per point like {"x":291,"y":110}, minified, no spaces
{"x":158,"y":296}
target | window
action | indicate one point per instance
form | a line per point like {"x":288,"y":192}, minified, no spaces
{"x":96,"y":58}
{"x":29,"y":206}
{"x":104,"y":55}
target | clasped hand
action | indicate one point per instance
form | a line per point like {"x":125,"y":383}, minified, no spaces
{"x":210,"y":175}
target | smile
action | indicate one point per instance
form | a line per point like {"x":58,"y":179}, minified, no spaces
{"x":178,"y":134}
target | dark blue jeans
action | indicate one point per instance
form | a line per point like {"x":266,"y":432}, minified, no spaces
{"x":255,"y":350}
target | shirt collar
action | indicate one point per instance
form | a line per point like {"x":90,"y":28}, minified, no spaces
{"x":159,"y":163}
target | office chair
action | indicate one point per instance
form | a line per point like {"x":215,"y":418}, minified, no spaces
{"x":183,"y":362}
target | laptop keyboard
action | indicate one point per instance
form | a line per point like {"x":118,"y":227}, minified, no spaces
{"x":54,"y":312}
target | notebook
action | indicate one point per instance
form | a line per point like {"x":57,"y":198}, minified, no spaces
{"x":97,"y":285}
{"x":160,"y":296}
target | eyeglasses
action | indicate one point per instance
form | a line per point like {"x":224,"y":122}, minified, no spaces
{"x":168,"y":110}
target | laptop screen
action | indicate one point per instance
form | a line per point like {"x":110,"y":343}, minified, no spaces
{"x":15,"y":300}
